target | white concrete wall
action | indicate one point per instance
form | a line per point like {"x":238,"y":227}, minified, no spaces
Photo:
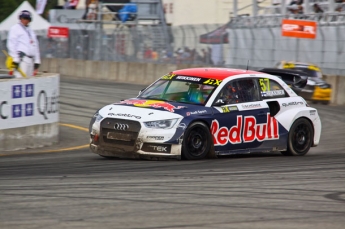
{"x":29,"y":111}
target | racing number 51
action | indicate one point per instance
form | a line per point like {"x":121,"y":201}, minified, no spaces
{"x":265,"y":84}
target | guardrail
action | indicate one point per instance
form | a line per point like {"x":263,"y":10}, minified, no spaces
{"x":29,"y":111}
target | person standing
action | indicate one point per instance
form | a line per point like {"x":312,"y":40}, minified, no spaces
{"x":23,"y":46}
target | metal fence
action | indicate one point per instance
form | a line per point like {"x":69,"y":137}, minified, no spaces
{"x":254,"y":39}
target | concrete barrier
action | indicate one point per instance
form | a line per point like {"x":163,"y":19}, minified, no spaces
{"x":141,"y":73}
{"x":146,"y":73}
{"x":338,"y":89}
{"x":29,"y":112}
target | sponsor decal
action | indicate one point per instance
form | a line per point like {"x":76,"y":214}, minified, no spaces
{"x":16,"y":110}
{"x":29,"y":109}
{"x":124,"y":115}
{"x":20,"y":110}
{"x":312,"y":112}
{"x":292,"y":104}
{"x":16,"y":91}
{"x":229,"y":108}
{"x":272,"y":93}
{"x":29,"y":90}
{"x":246,"y":130}
{"x":155,"y":137}
{"x":188,"y":78}
{"x":196,"y":112}
{"x":157,"y":148}
{"x":22,"y":91}
{"x":212,"y":82}
{"x":168,"y":76}
{"x":299,"y":28}
{"x":251,"y":106}
{"x":2,"y":114}
{"x":152,"y":103}
{"x":47,"y":105}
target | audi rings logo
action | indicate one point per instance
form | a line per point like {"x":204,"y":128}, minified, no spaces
{"x":120,"y":126}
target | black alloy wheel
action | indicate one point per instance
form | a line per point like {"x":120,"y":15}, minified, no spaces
{"x":300,"y":139}
{"x":197,"y":141}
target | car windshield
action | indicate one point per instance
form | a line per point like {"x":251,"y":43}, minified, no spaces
{"x":182,"y":89}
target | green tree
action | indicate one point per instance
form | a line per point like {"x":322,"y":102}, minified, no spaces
{"x":8,"y":6}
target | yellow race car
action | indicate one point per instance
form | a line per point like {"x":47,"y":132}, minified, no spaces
{"x":316,"y":90}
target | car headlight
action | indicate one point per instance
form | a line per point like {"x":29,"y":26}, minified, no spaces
{"x":98,"y":117}
{"x":161,"y":124}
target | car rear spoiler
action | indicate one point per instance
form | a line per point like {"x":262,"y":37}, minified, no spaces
{"x":295,"y":79}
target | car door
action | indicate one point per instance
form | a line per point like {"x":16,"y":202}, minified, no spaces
{"x":275,"y":96}
{"x":243,"y":121}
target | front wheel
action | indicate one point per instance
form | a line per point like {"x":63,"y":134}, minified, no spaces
{"x":300,"y":139}
{"x":197,"y":141}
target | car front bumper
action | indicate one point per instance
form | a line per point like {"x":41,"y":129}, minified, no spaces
{"x":138,"y":153}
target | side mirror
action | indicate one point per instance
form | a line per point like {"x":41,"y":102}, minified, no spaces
{"x":219,"y":103}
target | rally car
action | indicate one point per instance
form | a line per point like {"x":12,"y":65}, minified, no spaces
{"x":316,"y":90}
{"x":207,"y":112}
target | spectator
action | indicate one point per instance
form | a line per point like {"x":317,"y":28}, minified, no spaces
{"x":341,"y":6}
{"x":154,"y":55}
{"x":73,"y":4}
{"x":66,"y":5}
{"x":23,"y":47}
{"x":296,"y":7}
{"x":128,"y":12}
{"x":317,"y":8}
{"x":92,"y":10}
{"x":147,"y":53}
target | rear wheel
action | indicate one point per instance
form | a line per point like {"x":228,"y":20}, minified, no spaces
{"x":197,"y":141}
{"x":300,"y":138}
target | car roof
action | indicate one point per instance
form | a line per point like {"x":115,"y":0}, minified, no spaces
{"x":214,"y":73}
{"x":300,"y":64}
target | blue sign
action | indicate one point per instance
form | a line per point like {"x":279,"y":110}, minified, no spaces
{"x":29,"y":90}
{"x":29,"y":109}
{"x":16,"y":110}
{"x":16,"y":91}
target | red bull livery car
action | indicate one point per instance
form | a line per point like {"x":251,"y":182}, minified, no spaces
{"x":207,"y":112}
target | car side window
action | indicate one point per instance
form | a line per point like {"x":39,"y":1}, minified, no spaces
{"x":239,"y":91}
{"x":271,"y":89}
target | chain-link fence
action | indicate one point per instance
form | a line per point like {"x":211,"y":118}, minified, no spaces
{"x":256,"y":40}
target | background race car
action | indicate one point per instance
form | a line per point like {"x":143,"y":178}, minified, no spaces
{"x":316,"y":90}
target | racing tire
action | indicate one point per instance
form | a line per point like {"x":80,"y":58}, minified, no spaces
{"x":300,"y":138}
{"x":197,"y":141}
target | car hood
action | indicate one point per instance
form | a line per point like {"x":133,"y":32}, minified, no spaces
{"x":147,"y":110}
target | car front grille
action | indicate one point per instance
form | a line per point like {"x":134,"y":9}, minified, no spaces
{"x":119,"y":133}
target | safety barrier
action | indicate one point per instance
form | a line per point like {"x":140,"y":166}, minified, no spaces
{"x":29,"y":112}
{"x":143,"y":73}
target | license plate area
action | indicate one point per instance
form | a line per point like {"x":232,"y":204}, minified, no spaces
{"x":119,"y":136}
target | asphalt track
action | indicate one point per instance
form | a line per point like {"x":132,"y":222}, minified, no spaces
{"x":58,"y":187}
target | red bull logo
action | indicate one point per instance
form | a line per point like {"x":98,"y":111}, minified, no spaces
{"x":152,"y":103}
{"x":250,"y":130}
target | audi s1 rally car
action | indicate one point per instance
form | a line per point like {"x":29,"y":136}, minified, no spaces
{"x":207,"y":112}
{"x":316,"y":90}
